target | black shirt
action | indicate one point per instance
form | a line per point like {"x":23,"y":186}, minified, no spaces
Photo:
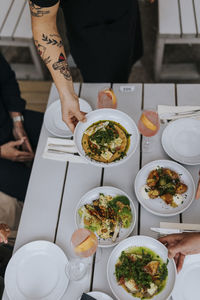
{"x":10,"y":99}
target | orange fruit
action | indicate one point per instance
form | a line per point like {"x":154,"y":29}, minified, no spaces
{"x":111,"y":95}
{"x":148,"y":123}
{"x":87,"y":244}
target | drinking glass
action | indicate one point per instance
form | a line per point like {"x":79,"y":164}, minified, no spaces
{"x":107,"y":99}
{"x":83,"y":245}
{"x":148,"y":125}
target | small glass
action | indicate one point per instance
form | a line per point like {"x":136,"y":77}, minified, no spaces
{"x":148,"y":125}
{"x":107,"y":99}
{"x":84,"y":244}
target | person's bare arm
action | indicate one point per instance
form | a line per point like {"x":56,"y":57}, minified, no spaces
{"x":50,"y":47}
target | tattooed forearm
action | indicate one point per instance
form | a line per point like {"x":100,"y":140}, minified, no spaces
{"x":41,"y":51}
{"x":50,"y":40}
{"x":63,"y":67}
{"x":37,"y":11}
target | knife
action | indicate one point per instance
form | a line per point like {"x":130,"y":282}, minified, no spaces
{"x":170,"y":230}
{"x":62,"y":152}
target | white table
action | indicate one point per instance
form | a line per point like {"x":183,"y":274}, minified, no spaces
{"x":56,"y":187}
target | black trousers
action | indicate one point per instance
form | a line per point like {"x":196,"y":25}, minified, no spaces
{"x":105,"y":37}
{"x":14,"y":176}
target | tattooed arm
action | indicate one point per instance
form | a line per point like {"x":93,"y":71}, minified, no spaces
{"x":50,"y":47}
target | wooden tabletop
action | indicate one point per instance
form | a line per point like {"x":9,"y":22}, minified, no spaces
{"x":56,"y":187}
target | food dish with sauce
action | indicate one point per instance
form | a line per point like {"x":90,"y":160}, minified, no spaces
{"x":141,"y":272}
{"x":106,"y":141}
{"x":166,"y":184}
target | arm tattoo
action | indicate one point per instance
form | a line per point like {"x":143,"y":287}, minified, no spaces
{"x":52,"y":40}
{"x":63,"y":67}
{"x":37,"y":11}
{"x":41,"y":51}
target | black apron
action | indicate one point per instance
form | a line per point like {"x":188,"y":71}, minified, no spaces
{"x":105,"y":37}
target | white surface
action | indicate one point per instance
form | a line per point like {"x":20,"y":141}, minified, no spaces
{"x":187,"y":18}
{"x":157,"y":206}
{"x":169,"y":20}
{"x":197,"y":12}
{"x":187,"y":283}
{"x":23,"y":29}
{"x":98,"y":296}
{"x":111,"y":191}
{"x":140,"y":241}
{"x":5,"y":6}
{"x":37,"y":271}
{"x":53,"y":118}
{"x":110,"y":115}
{"x":12,"y":19}
{"x":181,"y":140}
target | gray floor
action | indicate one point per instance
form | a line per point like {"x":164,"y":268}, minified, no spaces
{"x":142,"y":71}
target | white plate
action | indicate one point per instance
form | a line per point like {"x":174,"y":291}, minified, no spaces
{"x":37,"y":271}
{"x":112,"y":115}
{"x":158,"y":206}
{"x":181,"y":141}
{"x":187,"y":283}
{"x":99,"y":296}
{"x":140,"y":241}
{"x":112,"y":191}
{"x":53,"y":118}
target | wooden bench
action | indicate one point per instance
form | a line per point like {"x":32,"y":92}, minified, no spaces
{"x":179,"y":23}
{"x":15,"y":31}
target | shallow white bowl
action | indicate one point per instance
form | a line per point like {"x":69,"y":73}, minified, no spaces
{"x":110,"y":115}
{"x":140,"y":241}
{"x":93,"y":195}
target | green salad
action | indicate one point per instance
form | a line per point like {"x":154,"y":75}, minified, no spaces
{"x":141,"y":272}
{"x":106,"y":215}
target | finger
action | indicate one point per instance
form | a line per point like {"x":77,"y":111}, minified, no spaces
{"x":70,"y":123}
{"x":28,"y":145}
{"x":174,"y":249}
{"x":80,"y":116}
{"x":171,"y":238}
{"x":18,"y":142}
{"x":180,"y":262}
{"x":176,"y":257}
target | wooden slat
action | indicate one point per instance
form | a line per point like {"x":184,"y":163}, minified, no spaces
{"x":5,"y":6}
{"x":80,"y":179}
{"x":197,"y":13}
{"x":169,"y":20}
{"x":188,"y":94}
{"x":23,"y":29}
{"x":187,"y":18}
{"x":12,"y":19}
{"x":155,"y":94}
{"x":121,"y":177}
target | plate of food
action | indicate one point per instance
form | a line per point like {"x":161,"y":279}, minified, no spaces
{"x":107,"y":211}
{"x":181,"y":140}
{"x":108,"y":137}
{"x":53,"y":118}
{"x":139,"y":268}
{"x":164,"y":188}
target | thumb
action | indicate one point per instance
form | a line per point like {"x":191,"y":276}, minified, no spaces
{"x":18,"y":142}
{"x":80,"y":116}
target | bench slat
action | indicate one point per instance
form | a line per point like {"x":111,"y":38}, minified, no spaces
{"x":23,"y":29}
{"x":169,"y":20}
{"x":12,"y":19}
{"x":187,"y":18}
{"x":197,"y":12}
{"x":5,"y":6}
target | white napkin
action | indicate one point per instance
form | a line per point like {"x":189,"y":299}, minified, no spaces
{"x":166,"y":112}
{"x":62,"y":156}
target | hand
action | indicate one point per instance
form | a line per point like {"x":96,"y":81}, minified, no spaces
{"x":71,"y":113}
{"x":18,"y":133}
{"x":10,"y":151}
{"x":4,"y":233}
{"x":180,"y":245}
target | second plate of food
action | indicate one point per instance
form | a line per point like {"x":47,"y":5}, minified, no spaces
{"x":138,"y":268}
{"x":164,"y":188}
{"x":107,"y":211}
{"x":108,"y":137}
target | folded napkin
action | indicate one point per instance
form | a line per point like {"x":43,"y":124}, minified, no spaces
{"x":87,"y":297}
{"x":167,"y":113}
{"x":55,"y":149}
